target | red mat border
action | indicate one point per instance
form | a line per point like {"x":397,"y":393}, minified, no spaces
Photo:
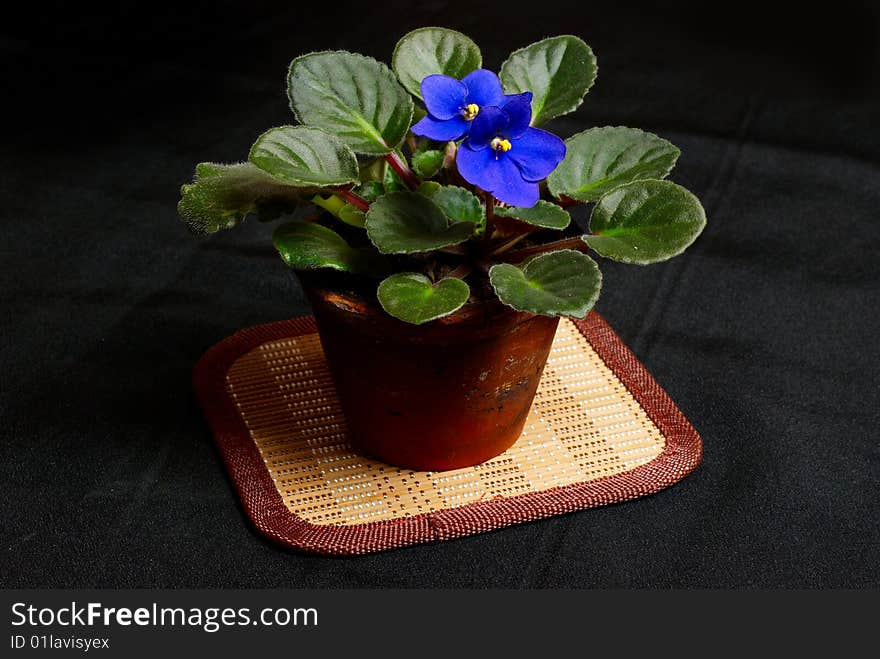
{"x":265,"y":507}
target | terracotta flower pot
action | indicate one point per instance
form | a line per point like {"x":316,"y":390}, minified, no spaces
{"x":452,"y":393}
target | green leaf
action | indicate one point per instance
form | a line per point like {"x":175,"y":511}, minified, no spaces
{"x":429,"y":189}
{"x":353,"y":97}
{"x":299,"y":155}
{"x":407,"y":222}
{"x":209,"y":169}
{"x":411,"y":297}
{"x":431,"y":50}
{"x":371,"y":190}
{"x":558,"y":71}
{"x":561,"y":283}
{"x":543,"y":214}
{"x":459,"y":205}
{"x":222,"y":196}
{"x":601,"y":159}
{"x":427,"y":163}
{"x":308,"y":246}
{"x":373,"y":170}
{"x":391,"y":181}
{"x":645,"y":222}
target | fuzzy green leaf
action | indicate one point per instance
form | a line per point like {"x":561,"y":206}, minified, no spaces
{"x":429,"y":189}
{"x":558,"y":71}
{"x":351,"y":96}
{"x":561,"y":283}
{"x":601,"y":159}
{"x":427,"y":163}
{"x":411,"y":297}
{"x":371,"y":190}
{"x":309,"y":246}
{"x":372,"y":170}
{"x":407,"y":222}
{"x":459,"y":205}
{"x":645,"y":222}
{"x":304,"y":156}
{"x":431,"y":50}
{"x":543,"y":214}
{"x":391,"y":180}
{"x":222,"y":196}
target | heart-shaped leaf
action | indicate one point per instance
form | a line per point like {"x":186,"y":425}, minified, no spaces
{"x":222,"y":196}
{"x":459,"y":205}
{"x":558,"y":71}
{"x":561,"y":283}
{"x":411,"y":297}
{"x":407,"y":222}
{"x":309,"y":246}
{"x":543,"y":214}
{"x":601,"y":159}
{"x":351,"y":96}
{"x":645,"y":222}
{"x":431,"y":50}
{"x":300,"y":155}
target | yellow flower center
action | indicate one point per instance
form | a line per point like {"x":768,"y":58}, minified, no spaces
{"x":500,"y":144}
{"x":470,"y":111}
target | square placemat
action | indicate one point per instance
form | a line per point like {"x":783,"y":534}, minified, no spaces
{"x":600,"y":431}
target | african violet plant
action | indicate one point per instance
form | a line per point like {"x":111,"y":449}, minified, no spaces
{"x":436,"y":174}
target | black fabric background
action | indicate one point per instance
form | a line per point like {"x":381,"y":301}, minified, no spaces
{"x":764,"y":333}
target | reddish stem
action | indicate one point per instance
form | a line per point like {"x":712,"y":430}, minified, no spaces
{"x":490,"y":216}
{"x":461,"y":271}
{"x":565,"y":202}
{"x":402,"y":169}
{"x":509,"y":244}
{"x":568,"y":243}
{"x":454,"y":249}
{"x":354,"y":199}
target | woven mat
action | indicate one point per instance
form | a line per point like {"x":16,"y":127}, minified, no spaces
{"x":600,"y":431}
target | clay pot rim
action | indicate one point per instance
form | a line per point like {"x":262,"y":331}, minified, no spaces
{"x":359,"y":304}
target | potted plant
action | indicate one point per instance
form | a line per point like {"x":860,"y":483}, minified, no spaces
{"x":430,"y":230}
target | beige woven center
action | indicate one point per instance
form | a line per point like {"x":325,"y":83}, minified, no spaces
{"x":583,"y":425}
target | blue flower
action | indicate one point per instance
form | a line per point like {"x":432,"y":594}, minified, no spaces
{"x":453,"y":104}
{"x":507,"y":157}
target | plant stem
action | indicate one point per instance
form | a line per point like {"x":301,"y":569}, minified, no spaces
{"x":565,"y":202}
{"x":568,"y":243}
{"x":314,"y":217}
{"x":453,"y":249}
{"x":461,"y":271}
{"x":399,"y":165}
{"x":510,"y":243}
{"x":490,"y":216}
{"x":449,"y":153}
{"x":354,"y":199}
